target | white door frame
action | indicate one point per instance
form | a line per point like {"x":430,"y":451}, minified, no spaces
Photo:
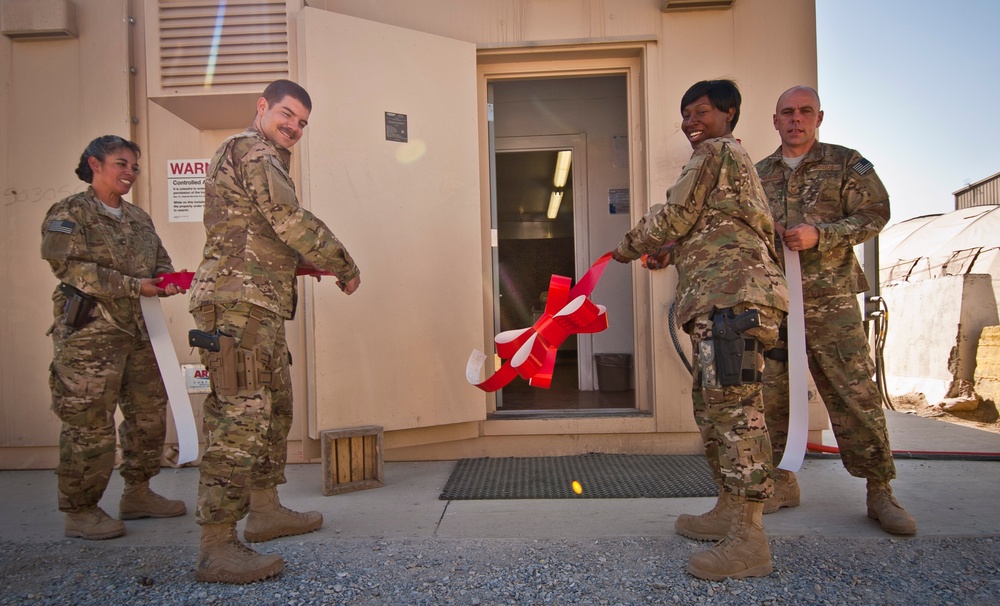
{"x":581,"y":241}
{"x":618,"y":57}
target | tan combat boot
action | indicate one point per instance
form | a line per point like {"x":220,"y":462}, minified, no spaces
{"x":93,"y":524}
{"x":743,"y":553}
{"x":223,"y":559}
{"x":882,"y":506}
{"x":268,"y":519}
{"x":786,"y":491}
{"x":712,"y":525}
{"x":138,"y":501}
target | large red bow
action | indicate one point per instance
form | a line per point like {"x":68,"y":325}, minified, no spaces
{"x":531,"y":352}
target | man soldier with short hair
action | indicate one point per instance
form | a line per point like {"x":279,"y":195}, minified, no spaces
{"x":825,"y":200}
{"x":243,"y":292}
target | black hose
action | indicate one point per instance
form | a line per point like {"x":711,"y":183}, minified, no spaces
{"x":673,"y":337}
{"x":880,"y":328}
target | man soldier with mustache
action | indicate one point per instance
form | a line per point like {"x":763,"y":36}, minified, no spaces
{"x":242,"y":293}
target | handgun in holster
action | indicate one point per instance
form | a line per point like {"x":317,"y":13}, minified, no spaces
{"x":735,"y":354}
{"x":78,"y":307}
{"x":232,"y":368}
{"x":219,"y":358}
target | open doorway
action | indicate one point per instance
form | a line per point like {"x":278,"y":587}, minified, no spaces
{"x":552,"y":217}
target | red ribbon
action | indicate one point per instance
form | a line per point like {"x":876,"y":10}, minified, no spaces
{"x":181,"y":279}
{"x":531,"y":352}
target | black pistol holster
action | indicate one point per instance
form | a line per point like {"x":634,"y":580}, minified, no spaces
{"x":735,"y":355}
{"x":78,"y":307}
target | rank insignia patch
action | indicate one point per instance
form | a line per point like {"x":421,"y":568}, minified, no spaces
{"x":862,"y":166}
{"x":62,"y":226}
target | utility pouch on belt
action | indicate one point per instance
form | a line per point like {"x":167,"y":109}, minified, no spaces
{"x":78,"y":307}
{"x":735,"y":354}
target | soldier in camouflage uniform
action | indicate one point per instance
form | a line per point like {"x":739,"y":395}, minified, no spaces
{"x":826,"y":199}
{"x":106,"y":254}
{"x":245,"y":287}
{"x":717,"y":218}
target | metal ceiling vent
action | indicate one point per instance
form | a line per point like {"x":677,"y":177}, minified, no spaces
{"x":38,"y":19}
{"x":222,"y":44}
{"x":668,"y":6}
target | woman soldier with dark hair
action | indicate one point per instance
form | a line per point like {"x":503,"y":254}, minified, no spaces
{"x":731,"y":296}
{"x":106,"y":254}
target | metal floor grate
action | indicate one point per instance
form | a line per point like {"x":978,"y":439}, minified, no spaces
{"x":601,"y":476}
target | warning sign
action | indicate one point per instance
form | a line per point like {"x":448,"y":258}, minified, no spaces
{"x":186,"y":190}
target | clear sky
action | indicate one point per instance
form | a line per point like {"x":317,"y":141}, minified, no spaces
{"x":914,"y":85}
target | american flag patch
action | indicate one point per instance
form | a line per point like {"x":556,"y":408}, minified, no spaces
{"x":862,"y":166}
{"x":63,"y":226}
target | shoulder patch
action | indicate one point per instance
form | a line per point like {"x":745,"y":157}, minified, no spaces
{"x":62,"y":226}
{"x":862,"y":166}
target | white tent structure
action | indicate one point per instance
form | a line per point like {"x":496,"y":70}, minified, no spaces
{"x":940,"y":278}
{"x":961,"y":242}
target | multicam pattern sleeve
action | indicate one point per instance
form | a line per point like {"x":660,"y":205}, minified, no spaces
{"x":103,"y":256}
{"x":718,"y":216}
{"x":836,"y":190}
{"x":257,"y":232}
{"x":300,"y":229}
{"x":865,"y":205}
{"x":685,"y":201}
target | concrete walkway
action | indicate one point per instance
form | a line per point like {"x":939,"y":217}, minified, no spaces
{"x":949,"y":499}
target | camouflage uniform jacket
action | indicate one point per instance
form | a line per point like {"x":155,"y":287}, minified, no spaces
{"x":718,"y":216}
{"x":257,"y":232}
{"x":836,"y":191}
{"x":91,"y":249}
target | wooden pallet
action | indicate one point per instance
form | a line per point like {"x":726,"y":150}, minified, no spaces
{"x":352,"y":459}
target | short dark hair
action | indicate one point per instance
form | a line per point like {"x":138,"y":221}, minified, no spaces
{"x":100,"y":148}
{"x":279,"y":89}
{"x":723,"y":94}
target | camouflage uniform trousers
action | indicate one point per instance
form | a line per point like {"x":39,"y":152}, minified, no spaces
{"x":94,"y":370}
{"x":731,"y":418}
{"x":246,"y":434}
{"x":838,"y":354}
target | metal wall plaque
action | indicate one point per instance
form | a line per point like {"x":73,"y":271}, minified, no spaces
{"x":395,"y":127}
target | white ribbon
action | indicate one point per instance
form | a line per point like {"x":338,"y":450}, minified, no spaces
{"x":798,"y":383}
{"x":173,"y":379}
{"x":474,"y":367}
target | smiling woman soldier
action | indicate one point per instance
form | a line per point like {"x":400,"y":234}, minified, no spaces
{"x":731,"y":296}
{"x":106,"y":254}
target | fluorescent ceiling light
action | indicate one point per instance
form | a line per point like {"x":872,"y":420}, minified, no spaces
{"x":554,"y":201}
{"x":563,"y":161}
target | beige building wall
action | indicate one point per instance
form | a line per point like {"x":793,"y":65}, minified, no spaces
{"x":56,"y":95}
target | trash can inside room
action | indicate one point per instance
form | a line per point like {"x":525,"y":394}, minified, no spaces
{"x":614,"y":371}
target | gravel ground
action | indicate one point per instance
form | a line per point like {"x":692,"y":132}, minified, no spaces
{"x":911,"y":572}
